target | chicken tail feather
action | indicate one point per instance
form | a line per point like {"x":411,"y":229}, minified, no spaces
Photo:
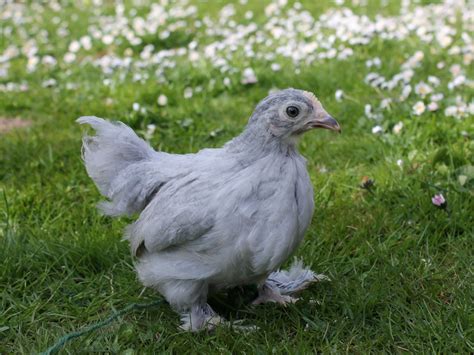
{"x":121,"y":165}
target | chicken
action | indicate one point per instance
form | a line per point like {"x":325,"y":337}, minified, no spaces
{"x":218,"y":218}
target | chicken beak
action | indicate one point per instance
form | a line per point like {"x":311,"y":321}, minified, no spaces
{"x":326,"y":122}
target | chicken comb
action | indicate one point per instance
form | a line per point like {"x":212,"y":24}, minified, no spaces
{"x":311,"y":96}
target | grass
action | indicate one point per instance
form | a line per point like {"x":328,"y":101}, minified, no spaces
{"x":401,"y":270}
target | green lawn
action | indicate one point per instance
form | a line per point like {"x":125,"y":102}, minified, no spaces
{"x":401,"y":268}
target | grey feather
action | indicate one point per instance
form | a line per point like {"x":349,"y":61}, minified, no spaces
{"x":122,"y":165}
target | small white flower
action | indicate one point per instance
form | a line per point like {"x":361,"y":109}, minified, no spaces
{"x":406,"y":91}
{"x":248,"y":77}
{"x":451,"y":111}
{"x":423,"y":89}
{"x":455,"y":69}
{"x":377,"y":129}
{"x":470,"y":108}
{"x":434,"y":80}
{"x":150,"y":129}
{"x":32,"y":63}
{"x":468,"y":58}
{"x":164,"y":34}
{"x":458,"y":80}
{"x":398,"y":127}
{"x":74,"y":46}
{"x":226,"y":81}
{"x":71,"y":86}
{"x":444,"y":40}
{"x":400,"y":163}
{"x":459,"y":111}
{"x":193,"y":56}
{"x":371,"y":77}
{"x":188,"y":93}
{"x":368,"y":110}
{"x":376,"y":62}
{"x":339,"y":94}
{"x":275,"y":66}
{"x":437,"y":97}
{"x":407,"y":75}
{"x":162,"y":100}
{"x":419,"y":108}
{"x":186,"y":122}
{"x":433,"y":106}
{"x":107,"y":39}
{"x":69,"y":57}
{"x":385,"y":103}
{"x":49,"y":60}
{"x":86,"y":42}
{"x":419,"y":55}
{"x":49,"y":83}
{"x":136,"y":106}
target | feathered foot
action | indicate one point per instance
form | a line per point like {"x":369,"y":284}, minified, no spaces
{"x":203,"y":317}
{"x":267,"y":293}
{"x":296,"y":279}
{"x":200,"y":317}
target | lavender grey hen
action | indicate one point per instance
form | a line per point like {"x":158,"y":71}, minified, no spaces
{"x":218,"y":218}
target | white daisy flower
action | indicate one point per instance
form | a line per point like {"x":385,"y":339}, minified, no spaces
{"x":248,"y":77}
{"x":188,"y":93}
{"x":162,"y":100}
{"x":398,"y":127}
{"x":377,"y":129}
{"x":419,"y":108}
{"x":275,"y":66}
{"x":69,"y":57}
{"x":433,"y":106}
{"x":437,"y":97}
{"x":423,"y":89}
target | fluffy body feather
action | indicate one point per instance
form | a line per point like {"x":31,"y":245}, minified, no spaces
{"x":211,"y":220}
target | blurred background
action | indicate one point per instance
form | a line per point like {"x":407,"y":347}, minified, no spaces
{"x":393,"y":226}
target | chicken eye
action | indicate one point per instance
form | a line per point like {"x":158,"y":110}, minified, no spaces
{"x":292,"y":111}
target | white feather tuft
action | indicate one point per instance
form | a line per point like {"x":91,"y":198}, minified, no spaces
{"x":296,"y":279}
